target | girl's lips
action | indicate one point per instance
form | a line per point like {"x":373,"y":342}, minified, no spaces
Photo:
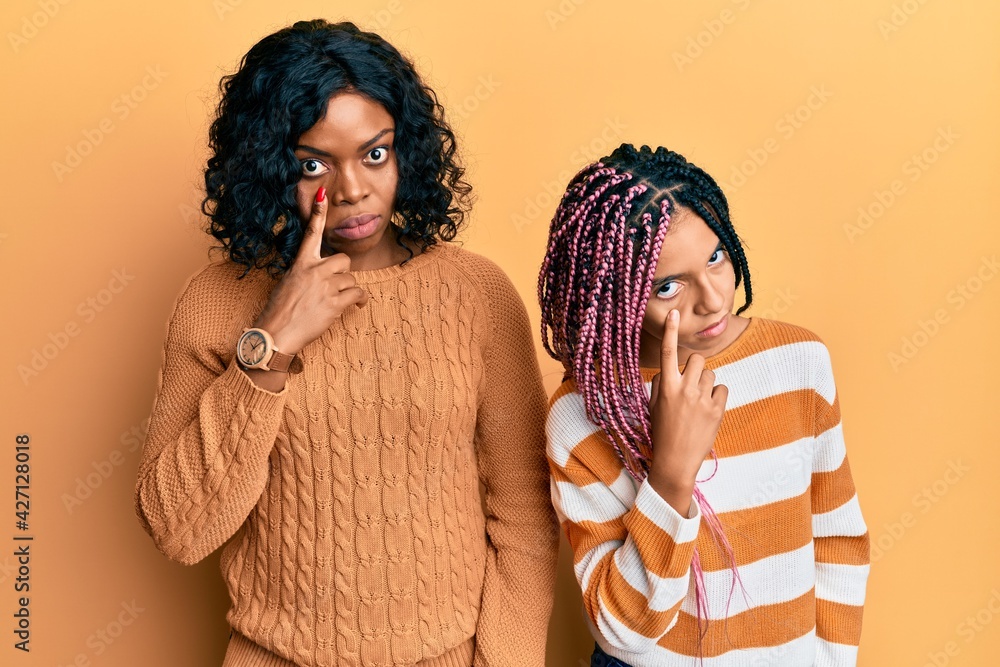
{"x":715,"y":329}
{"x":357,"y":227}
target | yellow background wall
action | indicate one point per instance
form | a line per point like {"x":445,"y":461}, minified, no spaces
{"x":857,"y":141}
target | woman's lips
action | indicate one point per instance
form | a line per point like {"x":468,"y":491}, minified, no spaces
{"x":357,"y":227}
{"x":715,"y":329}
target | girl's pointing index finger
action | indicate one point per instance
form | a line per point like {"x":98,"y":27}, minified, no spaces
{"x":668,"y":348}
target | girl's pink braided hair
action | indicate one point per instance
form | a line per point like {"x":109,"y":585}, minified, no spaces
{"x":593,"y":288}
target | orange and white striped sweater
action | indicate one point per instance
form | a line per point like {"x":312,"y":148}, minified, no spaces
{"x":783,"y":491}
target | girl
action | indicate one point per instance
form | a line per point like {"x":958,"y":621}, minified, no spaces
{"x":330,"y":419}
{"x":711,"y":521}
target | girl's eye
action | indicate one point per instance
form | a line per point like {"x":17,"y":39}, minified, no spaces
{"x":717,"y":257}
{"x":378,"y":155}
{"x":312,"y":167}
{"x":667,"y":290}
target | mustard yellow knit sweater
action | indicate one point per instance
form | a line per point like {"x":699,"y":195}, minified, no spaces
{"x":349,"y":502}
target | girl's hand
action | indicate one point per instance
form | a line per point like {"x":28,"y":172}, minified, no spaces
{"x":313,"y":293}
{"x":685,"y":413}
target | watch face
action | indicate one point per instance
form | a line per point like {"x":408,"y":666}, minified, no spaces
{"x":252,"y":348}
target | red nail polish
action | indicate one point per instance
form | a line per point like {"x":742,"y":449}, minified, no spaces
{"x":321,"y":194}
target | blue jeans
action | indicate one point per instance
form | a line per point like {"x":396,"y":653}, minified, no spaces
{"x":602,"y":659}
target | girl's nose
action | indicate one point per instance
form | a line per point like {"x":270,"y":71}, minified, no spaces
{"x":712,"y":298}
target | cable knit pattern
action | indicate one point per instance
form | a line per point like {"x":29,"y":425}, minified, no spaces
{"x":349,"y":501}
{"x":783,"y":492}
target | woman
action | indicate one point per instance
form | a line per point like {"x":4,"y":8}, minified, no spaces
{"x":335,"y":390}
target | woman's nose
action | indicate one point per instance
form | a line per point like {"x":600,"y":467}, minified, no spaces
{"x":349,"y":186}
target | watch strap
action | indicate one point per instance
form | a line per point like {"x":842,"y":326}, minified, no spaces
{"x":280,"y":361}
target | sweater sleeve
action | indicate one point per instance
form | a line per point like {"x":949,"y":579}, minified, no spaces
{"x":840,"y":534}
{"x":632,"y":558}
{"x":522,"y":534}
{"x":204,"y":462}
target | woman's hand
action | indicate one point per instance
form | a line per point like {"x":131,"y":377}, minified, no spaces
{"x":685,"y":413}
{"x":313,"y":293}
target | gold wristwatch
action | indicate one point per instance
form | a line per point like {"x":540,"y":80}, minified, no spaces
{"x":256,"y":350}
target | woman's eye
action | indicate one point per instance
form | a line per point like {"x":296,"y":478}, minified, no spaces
{"x":667,"y":290}
{"x":312,"y":167}
{"x":717,"y":257}
{"x":378,"y":155}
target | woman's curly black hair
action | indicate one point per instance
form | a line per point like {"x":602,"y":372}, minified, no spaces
{"x":280,"y":90}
